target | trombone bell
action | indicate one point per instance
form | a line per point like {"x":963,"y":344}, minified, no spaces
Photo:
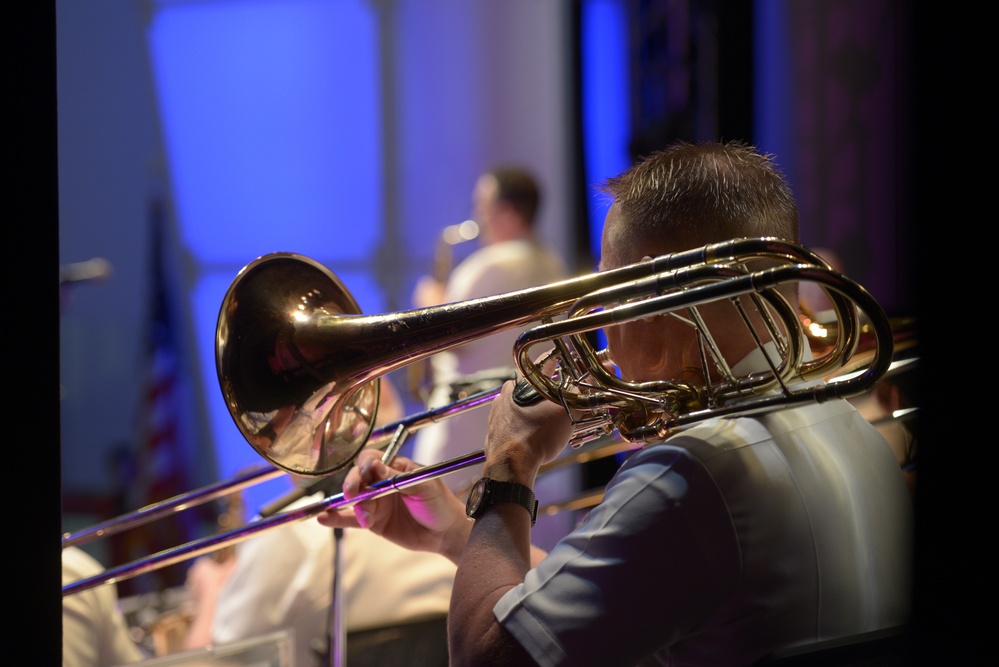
{"x":275,"y":382}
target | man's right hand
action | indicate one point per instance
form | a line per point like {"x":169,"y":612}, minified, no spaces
{"x":422,"y":517}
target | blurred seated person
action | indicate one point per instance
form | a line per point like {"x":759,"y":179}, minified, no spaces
{"x":892,"y":394}
{"x":897,"y":394}
{"x":94,"y":632}
{"x":283,"y":578}
{"x":887,"y":406}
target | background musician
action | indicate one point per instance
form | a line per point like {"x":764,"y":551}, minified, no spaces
{"x":505,"y":204}
{"x":729,"y":540}
{"x":283,"y":579}
{"x":94,"y":632}
{"x":895,"y":392}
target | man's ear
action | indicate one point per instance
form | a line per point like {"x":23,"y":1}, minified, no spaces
{"x":642,"y":347}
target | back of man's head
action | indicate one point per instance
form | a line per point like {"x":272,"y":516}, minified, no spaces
{"x":689,"y":195}
{"x":517,"y":187}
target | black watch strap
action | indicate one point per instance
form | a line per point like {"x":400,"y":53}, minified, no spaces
{"x":490,"y":492}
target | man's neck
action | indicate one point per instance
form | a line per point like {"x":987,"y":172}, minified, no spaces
{"x":513,"y":234}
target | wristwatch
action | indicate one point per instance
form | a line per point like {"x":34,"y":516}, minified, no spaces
{"x":488,"y":492}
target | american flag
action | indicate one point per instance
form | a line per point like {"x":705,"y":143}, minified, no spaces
{"x":162,"y":459}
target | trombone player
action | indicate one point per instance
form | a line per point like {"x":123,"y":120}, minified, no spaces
{"x":721,"y":544}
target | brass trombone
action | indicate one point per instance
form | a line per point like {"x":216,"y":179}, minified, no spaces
{"x":299,"y":366}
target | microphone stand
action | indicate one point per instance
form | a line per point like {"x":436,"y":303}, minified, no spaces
{"x":336,"y":638}
{"x":336,"y":634}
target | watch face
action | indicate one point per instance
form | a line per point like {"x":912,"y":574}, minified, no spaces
{"x":475,"y":497}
